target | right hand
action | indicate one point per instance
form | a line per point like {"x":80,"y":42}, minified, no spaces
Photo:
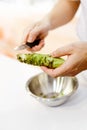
{"x":76,"y":61}
{"x":37,"y":31}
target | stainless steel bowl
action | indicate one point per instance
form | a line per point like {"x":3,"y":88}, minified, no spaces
{"x":51,"y":91}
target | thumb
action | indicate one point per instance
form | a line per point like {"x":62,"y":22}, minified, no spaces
{"x":66,"y":50}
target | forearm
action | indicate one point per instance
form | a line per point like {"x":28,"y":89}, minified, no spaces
{"x":62,"y":13}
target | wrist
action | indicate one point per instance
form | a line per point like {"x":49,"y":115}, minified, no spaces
{"x":47,"y":23}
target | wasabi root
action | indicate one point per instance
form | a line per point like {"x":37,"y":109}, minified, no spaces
{"x":40,"y":60}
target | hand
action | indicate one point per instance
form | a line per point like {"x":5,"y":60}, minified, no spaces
{"x":75,"y":63}
{"x":37,"y":31}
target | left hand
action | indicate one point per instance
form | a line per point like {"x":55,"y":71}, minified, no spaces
{"x":75,"y":63}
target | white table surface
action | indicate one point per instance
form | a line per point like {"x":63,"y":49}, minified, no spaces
{"x":20,"y":111}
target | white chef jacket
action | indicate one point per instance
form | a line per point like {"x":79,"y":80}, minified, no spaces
{"x":82,"y":22}
{"x":82,"y":27}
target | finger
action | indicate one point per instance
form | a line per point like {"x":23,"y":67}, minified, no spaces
{"x":48,"y":71}
{"x":70,"y":73}
{"x":64,"y":69}
{"x":33,"y":35}
{"x":37,"y":48}
{"x":52,"y":73}
{"x":66,"y":50}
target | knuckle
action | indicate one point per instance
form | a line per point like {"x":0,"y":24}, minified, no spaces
{"x":34,"y":32}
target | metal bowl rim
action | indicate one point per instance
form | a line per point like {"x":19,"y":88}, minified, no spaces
{"x":52,"y":99}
